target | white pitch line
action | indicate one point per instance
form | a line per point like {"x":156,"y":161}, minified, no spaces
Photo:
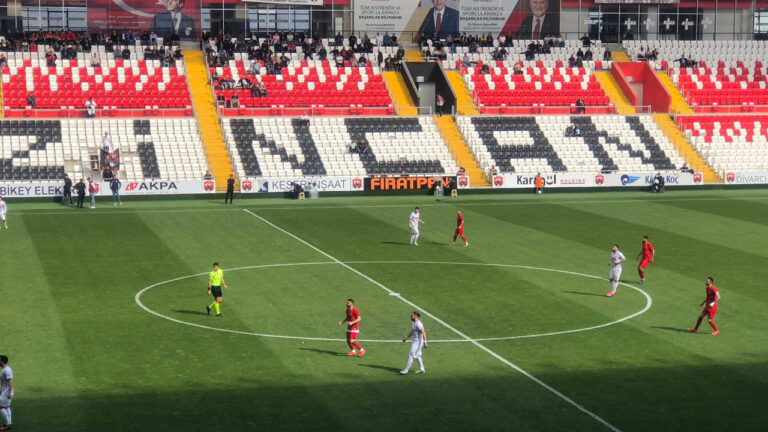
{"x":344,"y":206}
{"x":649,"y":301}
{"x":446,"y":325}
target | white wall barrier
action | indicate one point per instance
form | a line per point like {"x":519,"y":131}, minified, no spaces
{"x":322,"y":184}
{"x":522,"y":181}
{"x":746,"y":177}
{"x":145,"y":187}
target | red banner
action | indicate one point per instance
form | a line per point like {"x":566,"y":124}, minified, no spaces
{"x":164,"y":17}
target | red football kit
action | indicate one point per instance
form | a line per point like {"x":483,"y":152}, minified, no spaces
{"x":711,"y":296}
{"x":353,"y":329}
{"x":647,"y":253}
{"x":459,"y":228}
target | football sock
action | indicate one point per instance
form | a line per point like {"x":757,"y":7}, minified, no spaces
{"x":413,"y":237}
{"x":211,"y":306}
{"x":712,"y":323}
{"x":218,"y":308}
{"x":614,"y":285}
{"x":410,"y":362}
{"x":7,"y":415}
{"x":698,"y":323}
{"x":463,"y":238}
{"x":421,"y":363}
{"x":356,"y":345}
{"x":416,"y":239}
{"x":454,"y":238}
{"x":642,"y":273}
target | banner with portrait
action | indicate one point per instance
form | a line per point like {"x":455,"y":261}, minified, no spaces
{"x":522,"y":19}
{"x":164,"y":17}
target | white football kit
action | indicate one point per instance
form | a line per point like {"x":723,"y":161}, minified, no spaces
{"x":3,"y":209}
{"x":414,"y":222}
{"x":616,"y":268}
{"x":5,"y":376}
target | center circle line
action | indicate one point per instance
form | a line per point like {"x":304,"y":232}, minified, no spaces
{"x":649,"y":302}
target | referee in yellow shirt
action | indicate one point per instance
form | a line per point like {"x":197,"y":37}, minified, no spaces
{"x":215,"y":282}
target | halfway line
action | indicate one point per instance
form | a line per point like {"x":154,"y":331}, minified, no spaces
{"x":445,"y":324}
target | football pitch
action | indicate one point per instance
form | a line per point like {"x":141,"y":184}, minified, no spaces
{"x":104,"y":320}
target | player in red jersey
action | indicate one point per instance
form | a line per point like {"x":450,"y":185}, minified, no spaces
{"x":648,"y":253}
{"x":710,"y":309}
{"x":353,"y":328}
{"x":459,"y":229}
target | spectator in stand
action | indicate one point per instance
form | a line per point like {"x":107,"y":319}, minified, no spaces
{"x":90,"y":108}
{"x":31,"y":101}
{"x":485,"y":69}
{"x":50,"y":58}
{"x":95,"y":59}
{"x":517,"y":69}
{"x":380,"y":59}
{"x":234,"y":102}
{"x":255,"y":67}
{"x":3,"y":61}
{"x":588,"y":55}
{"x":586,"y":41}
{"x":207,"y":175}
{"x":493,"y":171}
{"x":607,"y":54}
{"x":439,"y":102}
{"x":581,"y":107}
{"x":570,"y":130}
{"x":126,"y":54}
{"x":245,"y":83}
{"x":580,"y":54}
{"x":353,"y":147}
{"x":106,"y":142}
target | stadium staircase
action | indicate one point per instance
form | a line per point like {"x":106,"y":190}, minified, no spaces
{"x":684,"y":147}
{"x":400,"y":94}
{"x":459,"y":150}
{"x":413,"y":56}
{"x":210,"y":127}
{"x":464,"y":103}
{"x":620,"y":56}
{"x":614,"y":92}
{"x":679,"y":105}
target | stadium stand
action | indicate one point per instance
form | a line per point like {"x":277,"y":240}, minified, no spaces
{"x":538,"y":89}
{"x":325,"y":88}
{"x":709,"y":53}
{"x":149,"y":148}
{"x":119,"y":87}
{"x":538,"y":144}
{"x":290,"y":148}
{"x":557,"y":57}
{"x":732,"y":142}
{"x":724,"y":88}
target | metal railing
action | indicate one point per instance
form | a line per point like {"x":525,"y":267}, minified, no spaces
{"x":100,"y":113}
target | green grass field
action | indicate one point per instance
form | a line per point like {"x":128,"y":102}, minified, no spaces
{"x":87,"y":357}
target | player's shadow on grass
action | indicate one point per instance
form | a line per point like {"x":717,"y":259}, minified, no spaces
{"x":189,"y":312}
{"x":396,"y":243}
{"x":584,"y":293}
{"x":326,"y":352}
{"x":385,"y":368}
{"x":674,"y":329}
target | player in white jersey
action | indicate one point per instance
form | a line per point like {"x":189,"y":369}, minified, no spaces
{"x":3,"y":209}
{"x":6,"y":392}
{"x":413,"y":222}
{"x":419,"y":341}
{"x":616,"y":259}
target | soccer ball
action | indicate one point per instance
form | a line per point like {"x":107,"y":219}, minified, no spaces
{"x":538,"y":191}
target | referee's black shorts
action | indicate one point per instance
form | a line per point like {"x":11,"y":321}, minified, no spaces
{"x":216,"y":291}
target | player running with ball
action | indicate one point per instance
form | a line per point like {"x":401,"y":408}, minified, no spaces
{"x":616,"y":259}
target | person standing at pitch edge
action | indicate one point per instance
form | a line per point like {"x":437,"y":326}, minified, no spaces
{"x":92,"y":192}
{"x":66,"y":198}
{"x":6,"y":392}
{"x":80,"y":188}
{"x":230,"y":189}
{"x":419,"y":341}
{"x":115,"y":185}
{"x":616,"y":259}
{"x":3,"y":210}
{"x":215,"y":282}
